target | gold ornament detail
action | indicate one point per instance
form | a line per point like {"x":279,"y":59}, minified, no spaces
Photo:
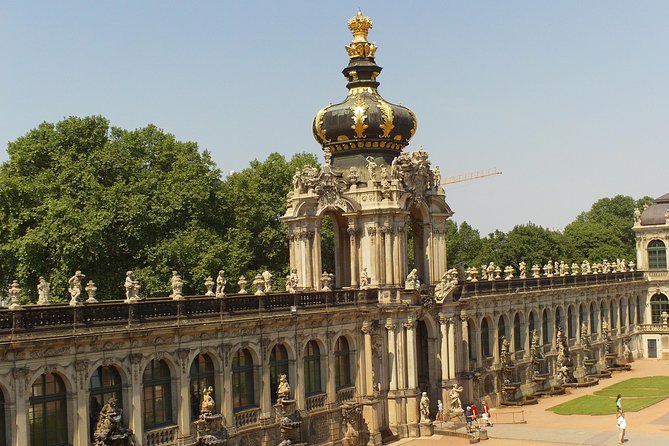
{"x":415,"y":124}
{"x":387,"y":113}
{"x":318,"y":123}
{"x":360,"y":47}
{"x":359,"y":116}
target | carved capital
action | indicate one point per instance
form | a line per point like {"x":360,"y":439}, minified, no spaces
{"x":366,"y":327}
{"x":389,"y":324}
{"x":371,"y":230}
{"x":182,"y":354}
{"x":409,"y":324}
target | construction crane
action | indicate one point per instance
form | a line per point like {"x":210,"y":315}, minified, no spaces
{"x":469,"y":176}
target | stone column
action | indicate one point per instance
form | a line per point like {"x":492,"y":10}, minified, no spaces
{"x":397,"y":262}
{"x":81,"y":417}
{"x":392,"y":352}
{"x":317,"y":267}
{"x":299,"y":372}
{"x":373,"y":250}
{"x":306,"y":275}
{"x":183,"y":384}
{"x":403,"y":253}
{"x":331,"y":385}
{"x":388,"y":254}
{"x":465,"y":344}
{"x":20,"y":432}
{"x":135,"y":421}
{"x":412,"y":393}
{"x":444,"y":345}
{"x":369,"y":379}
{"x":451,"y":348}
{"x":428,"y":258}
{"x":266,"y":389}
{"x":353,"y":248}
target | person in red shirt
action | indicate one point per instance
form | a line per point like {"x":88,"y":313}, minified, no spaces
{"x":485,"y":413}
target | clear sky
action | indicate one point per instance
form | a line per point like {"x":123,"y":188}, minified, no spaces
{"x":569,"y":99}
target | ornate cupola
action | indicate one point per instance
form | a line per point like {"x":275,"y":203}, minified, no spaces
{"x":364,"y":123}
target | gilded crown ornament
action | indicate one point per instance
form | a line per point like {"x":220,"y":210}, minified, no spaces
{"x":360,"y":47}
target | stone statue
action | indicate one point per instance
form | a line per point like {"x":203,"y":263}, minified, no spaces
{"x":440,"y":410}
{"x":498,"y":271}
{"x":221,"y":282}
{"x":424,"y":408}
{"x":484,"y":274}
{"x":665,"y":318}
{"x":292,"y":281}
{"x":371,"y":168}
{"x":490,"y":271}
{"x":412,"y":281}
{"x":574,"y":269}
{"x":454,"y":398}
{"x":109,"y":431}
{"x":43,"y":291}
{"x":209,"y":285}
{"x":259,"y":283}
{"x":177,"y":286}
{"x":131,"y":287}
{"x":207,"y":404}
{"x":637,"y":216}
{"x":14,"y":293}
{"x":548,"y":269}
{"x":283,"y":389}
{"x":267,"y":281}
{"x":449,"y":280}
{"x":91,"y":289}
{"x":364,"y":279}
{"x":353,"y":175}
{"x":74,"y":287}
{"x":242,"y":285}
{"x":523,"y":269}
{"x":585,"y":267}
{"x":436,"y":173}
{"x":536,"y":271}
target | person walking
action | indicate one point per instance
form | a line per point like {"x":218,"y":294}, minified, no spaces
{"x":622,"y":425}
{"x":619,"y":405}
{"x":485,"y":413}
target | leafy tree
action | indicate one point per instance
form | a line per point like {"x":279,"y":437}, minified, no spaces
{"x":80,"y":194}
{"x":464,"y":244}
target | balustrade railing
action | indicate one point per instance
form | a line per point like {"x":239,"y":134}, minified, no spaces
{"x":652,"y":328}
{"x":247,"y":417}
{"x":161,"y":436}
{"x":316,"y":401}
{"x":346,"y":394}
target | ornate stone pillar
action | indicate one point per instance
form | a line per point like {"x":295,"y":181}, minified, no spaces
{"x":266,"y":389}
{"x":369,"y":378}
{"x":183,"y":384}
{"x":353,"y":248}
{"x":306,"y":275}
{"x":443,"y":350}
{"x":374,"y":253}
{"x":397,"y":257}
{"x":82,"y":417}
{"x":299,"y":371}
{"x":411,"y":391}
{"x":331,"y":385}
{"x":392,"y":355}
{"x":136,"y":422}
{"x":428,"y":258}
{"x":21,"y":394}
{"x":317,"y":264}
{"x":465,"y":343}
{"x":388,"y":253}
{"x":226,"y":391}
{"x":451,"y":348}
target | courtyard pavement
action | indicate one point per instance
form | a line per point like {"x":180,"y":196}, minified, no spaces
{"x":648,"y":427}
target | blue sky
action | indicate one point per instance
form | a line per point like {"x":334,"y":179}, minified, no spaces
{"x":569,"y":99}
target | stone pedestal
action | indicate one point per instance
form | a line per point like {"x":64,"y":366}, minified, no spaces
{"x":426,"y":429}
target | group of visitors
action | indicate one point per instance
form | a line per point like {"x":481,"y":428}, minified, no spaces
{"x":472,"y":416}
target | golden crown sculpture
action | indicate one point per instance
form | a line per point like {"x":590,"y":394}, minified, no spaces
{"x":360,"y":47}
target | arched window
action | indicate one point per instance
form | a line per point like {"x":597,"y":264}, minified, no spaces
{"x":156,"y":383}
{"x":630,"y":312}
{"x":104,"y":384}
{"x":621,"y":312}
{"x":243,"y":395}
{"x":531,"y":326}
{"x":602,"y":313}
{"x":593,"y":319}
{"x":342,"y":363}
{"x":278,"y":365}
{"x":485,"y":339}
{"x":657,"y":255}
{"x":312,"y":368}
{"x":581,"y":316}
{"x":3,"y":427}
{"x":472,"y":341}
{"x":658,"y":304}
{"x":570,"y":324}
{"x":201,"y":377}
{"x":517,"y":337}
{"x":545,"y":336}
{"x":48,"y":412}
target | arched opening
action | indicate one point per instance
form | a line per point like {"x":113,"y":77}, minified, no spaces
{"x":485,"y":339}
{"x":312,"y":369}
{"x":416,"y":249}
{"x":501,"y":331}
{"x":593,"y":319}
{"x":545,"y":335}
{"x":47,"y":411}
{"x":157,"y":386}
{"x":423,"y":366}
{"x":517,"y":336}
{"x":603,"y":313}
{"x":243,"y":393}
{"x":471,"y":346}
{"x":342,"y":363}
{"x":631,"y":314}
{"x":639,"y":311}
{"x":581,"y":316}
{"x":612,"y":315}
{"x":570,"y":324}
{"x":559,"y":319}
{"x":201,"y":377}
{"x":335,"y":249}
{"x":621,"y":311}
{"x":658,"y":304}
{"x":657,"y":255}
{"x":278,"y":365}
{"x":103,"y":385}
{"x":531,"y":325}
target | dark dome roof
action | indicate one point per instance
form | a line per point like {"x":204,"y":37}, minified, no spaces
{"x":364,"y":120}
{"x":655,"y":213}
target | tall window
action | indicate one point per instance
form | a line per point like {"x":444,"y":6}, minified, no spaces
{"x":517,"y":340}
{"x":312,"y":369}
{"x":657,"y":255}
{"x":3,"y":428}
{"x":201,"y":377}
{"x":570,"y":323}
{"x":104,"y":384}
{"x":278,"y":365}
{"x":531,"y":326}
{"x":593,"y":319}
{"x":48,"y":412}
{"x":485,"y":338}
{"x":501,"y":331}
{"x":658,"y":304}
{"x":342,"y":363}
{"x":156,"y":383}
{"x":545,"y":336}
{"x":243,"y":395}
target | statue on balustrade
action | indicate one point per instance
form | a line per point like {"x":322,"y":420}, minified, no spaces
{"x":221,"y":282}
{"x":364,"y":279}
{"x":109,"y":431}
{"x":283,"y":389}
{"x":267,"y":281}
{"x":43,"y":291}
{"x":523,"y":269}
{"x":412,"y":281}
{"x":74,"y":287}
{"x":292,"y":281}
{"x":177,"y":285}
{"x":131,"y":287}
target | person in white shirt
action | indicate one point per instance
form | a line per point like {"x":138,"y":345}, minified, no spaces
{"x":622,"y":425}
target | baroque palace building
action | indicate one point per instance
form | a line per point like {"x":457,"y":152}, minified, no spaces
{"x":367,"y":350}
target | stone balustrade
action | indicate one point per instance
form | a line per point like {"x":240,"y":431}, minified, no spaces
{"x":345,"y":394}
{"x":652,"y":328}
{"x":316,"y":401}
{"x":247,"y":417}
{"x":161,"y":436}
